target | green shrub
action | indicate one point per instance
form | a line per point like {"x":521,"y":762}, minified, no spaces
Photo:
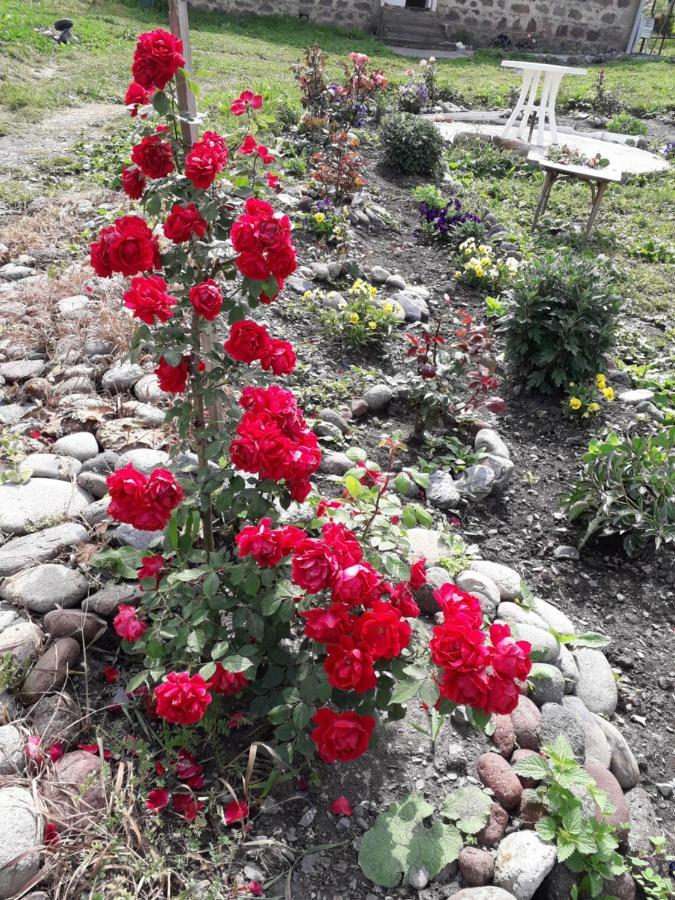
{"x":626,"y":487}
{"x":412,"y":145}
{"x":624,"y":123}
{"x":561,"y":321}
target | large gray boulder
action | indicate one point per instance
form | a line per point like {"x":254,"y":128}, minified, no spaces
{"x":45,"y":587}
{"x":20,"y":831}
{"x":41,"y":500}
{"x":40,"y":546}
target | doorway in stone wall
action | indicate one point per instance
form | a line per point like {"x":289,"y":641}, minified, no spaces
{"x":417,"y":4}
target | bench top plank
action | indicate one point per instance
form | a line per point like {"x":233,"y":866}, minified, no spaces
{"x":604,"y":174}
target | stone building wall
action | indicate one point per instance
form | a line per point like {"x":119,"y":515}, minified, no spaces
{"x":577,"y":25}
{"x":360,"y":14}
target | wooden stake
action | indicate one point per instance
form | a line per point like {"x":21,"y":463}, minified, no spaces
{"x":187,"y":106}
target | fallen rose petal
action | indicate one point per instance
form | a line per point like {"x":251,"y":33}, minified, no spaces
{"x":255,"y":888}
{"x":341,"y":807}
{"x":235,"y":811}
{"x":56,"y":751}
{"x":158,"y":799}
{"x":51,"y":837}
{"x":111,"y":674}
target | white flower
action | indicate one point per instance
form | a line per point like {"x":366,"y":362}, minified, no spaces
{"x":423,"y":62}
{"x":512,"y":264}
{"x":459,"y":45}
{"x":432,"y":60}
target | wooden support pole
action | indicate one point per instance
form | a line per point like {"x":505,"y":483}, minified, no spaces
{"x":187,"y":106}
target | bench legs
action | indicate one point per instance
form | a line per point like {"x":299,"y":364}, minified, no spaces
{"x":598,"y":189}
{"x":549,"y":180}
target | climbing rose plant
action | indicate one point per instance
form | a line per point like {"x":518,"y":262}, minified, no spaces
{"x":296,"y":623}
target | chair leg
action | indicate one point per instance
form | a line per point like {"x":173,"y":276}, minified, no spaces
{"x":517,"y":109}
{"x":543,"y":108}
{"x":549,"y":178}
{"x":531,"y":101}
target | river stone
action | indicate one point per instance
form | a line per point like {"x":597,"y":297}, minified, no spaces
{"x":93,"y":483}
{"x":479,"y":585}
{"x":442,"y":492}
{"x":121,"y":377}
{"x":378,"y":397}
{"x":623,"y":764}
{"x":523,"y":861}
{"x":597,"y":748}
{"x":11,"y":750}
{"x":567,"y":665}
{"x":128,"y":536}
{"x":81,"y":445}
{"x":75,"y":787}
{"x":47,"y":465}
{"x":506,"y":579}
{"x":487,"y":439}
{"x":545,"y":648}
{"x":559,"y":883}
{"x":515,"y":614}
{"x":106,"y":601}
{"x":637,"y":396}
{"x":97,"y":512}
{"x":21,"y":369}
{"x":23,"y":640}
{"x":333,"y":418}
{"x":77,"y":384}
{"x":477,"y":482}
{"x":20,"y":552}
{"x":8,"y":616}
{"x":414,"y":307}
{"x":147,"y":389}
{"x":556,"y":720}
{"x":483,"y":893}
{"x":50,"y":672}
{"x":145,"y":460}
{"x":378,"y":275}
{"x":504,"y":736}
{"x":45,"y":587}
{"x":149,"y":415}
{"x":20,"y":831}
{"x":643,"y":821}
{"x":57,"y":717}
{"x":503,"y":469}
{"x":476,"y":866}
{"x":84,"y":626}
{"x":596,"y":685}
{"x":526,"y":720}
{"x":493,"y":831}
{"x":23,"y":506}
{"x":546,"y":684}
{"x":427,"y":543}
{"x":496,"y":774}
{"x":608,"y":783}
{"x":102,"y":464}
{"x":335,"y":463}
{"x":424,"y":595}
{"x":396,"y":281}
{"x":74,"y":307}
{"x":552,"y":616}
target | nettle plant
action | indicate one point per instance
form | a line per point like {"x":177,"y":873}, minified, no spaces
{"x":298,"y":621}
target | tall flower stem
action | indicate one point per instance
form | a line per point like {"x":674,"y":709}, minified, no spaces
{"x":199,"y":424}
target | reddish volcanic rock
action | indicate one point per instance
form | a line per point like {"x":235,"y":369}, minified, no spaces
{"x":526,"y":720}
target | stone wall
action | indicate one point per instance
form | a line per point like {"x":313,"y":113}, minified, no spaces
{"x":578,"y":25}
{"x":360,"y":14}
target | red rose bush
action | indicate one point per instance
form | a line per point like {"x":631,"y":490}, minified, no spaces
{"x":307,"y":628}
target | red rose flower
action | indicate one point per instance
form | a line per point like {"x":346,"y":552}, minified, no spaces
{"x":459,"y":606}
{"x":349,"y":666}
{"x":465,"y":688}
{"x":236,"y":811}
{"x":263,"y":242}
{"x":153,"y":156}
{"x":341,"y":806}
{"x":272,"y":180}
{"x":127,"y":247}
{"x":341,"y":736}
{"x":227,"y":683}
{"x":418,"y":574}
{"x":246,"y":100}
{"x":383,"y":631}
{"x":163,"y":491}
{"x":51,"y":836}
{"x":136,"y":96}
{"x":183,"y":222}
{"x":344,"y":544}
{"x":261,"y":542}
{"x":326,"y":626}
{"x":206,"y":159}
{"x":127,"y":492}
{"x":253,"y":266}
{"x":182,"y":699}
{"x":358,"y":585}
{"x":280,"y":358}
{"x":186,"y":806}
{"x":111,"y":675}
{"x":206,"y":299}
{"x":157,"y":58}
{"x":152,"y":567}
{"x":149,"y":300}
{"x":249,"y":146}
{"x":502,"y":696}
{"x":248,"y":341}
{"x":172,"y":379}
{"x":133,"y":182}
{"x":264,"y":154}
{"x":509,"y":658}
{"x":127,"y":624}
{"x":314,"y":566}
{"x":458,"y":646}
{"x":402,"y":599}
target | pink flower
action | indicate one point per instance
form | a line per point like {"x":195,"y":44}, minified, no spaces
{"x":341,"y":806}
{"x":236,"y":811}
{"x":127,"y":624}
{"x":254,"y":888}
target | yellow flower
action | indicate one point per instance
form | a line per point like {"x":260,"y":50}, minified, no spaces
{"x":354,"y":318}
{"x":458,"y":274}
{"x":387,"y":307}
{"x":320,"y":217}
{"x":372,"y":325}
{"x":593,"y":407}
{"x":600,"y":382}
{"x":307,"y":295}
{"x":608,"y":393}
{"x":575,"y":403}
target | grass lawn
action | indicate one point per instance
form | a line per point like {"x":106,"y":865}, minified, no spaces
{"x":37,"y":77}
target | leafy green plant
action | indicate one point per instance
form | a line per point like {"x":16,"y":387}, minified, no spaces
{"x":362,"y":321}
{"x":411,"y":145}
{"x":11,"y":458}
{"x":585,"y":844}
{"x":494,"y":308}
{"x":624,"y":123}
{"x":626,"y":487}
{"x":429,"y":194}
{"x":481,"y":158}
{"x":400,"y":843}
{"x":479,"y":266}
{"x":654,"y":251}
{"x":469,"y":808}
{"x":584,"y":400}
{"x":562,"y":315}
{"x":653,"y":885}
